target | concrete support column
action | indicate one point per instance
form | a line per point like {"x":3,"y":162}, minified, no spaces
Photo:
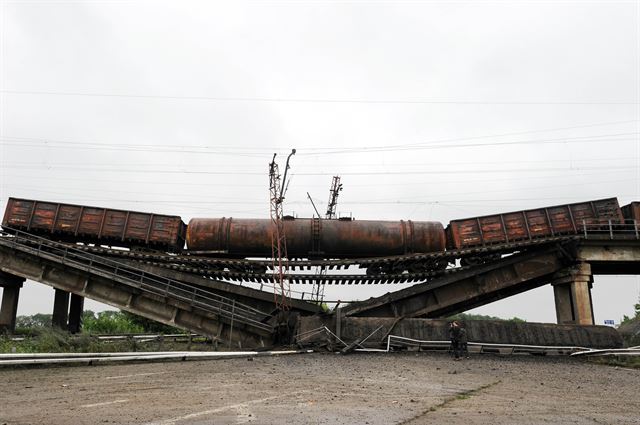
{"x":60,"y":309}
{"x":9,"y":308}
{"x":76,"y":308}
{"x":564,"y":307}
{"x":572,"y":291}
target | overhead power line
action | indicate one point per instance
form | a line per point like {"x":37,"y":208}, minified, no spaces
{"x":352,"y":173}
{"x":234,"y":149}
{"x":564,"y":140}
{"x":268,"y":99}
{"x":385,"y":183}
{"x":598,"y":138}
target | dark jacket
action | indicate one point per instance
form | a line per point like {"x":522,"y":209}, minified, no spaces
{"x":454,"y":333}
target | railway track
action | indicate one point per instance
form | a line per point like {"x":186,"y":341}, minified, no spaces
{"x":411,"y":268}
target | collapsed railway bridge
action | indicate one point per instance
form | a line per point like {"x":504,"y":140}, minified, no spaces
{"x":137,"y":262}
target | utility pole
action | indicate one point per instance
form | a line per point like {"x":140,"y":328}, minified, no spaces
{"x":277,"y":190}
{"x":336,"y":187}
{"x":317,"y":291}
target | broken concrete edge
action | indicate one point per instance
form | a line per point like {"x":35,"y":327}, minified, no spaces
{"x":487,"y":331}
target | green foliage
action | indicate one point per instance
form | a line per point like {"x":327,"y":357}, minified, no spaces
{"x":40,"y":336}
{"x":36,"y":321}
{"x":109,"y":322}
{"x":151,"y":326}
{"x":105,"y":322}
{"x":466,"y":316}
{"x":50,"y":340}
{"x":623,"y":361}
{"x":627,"y":319}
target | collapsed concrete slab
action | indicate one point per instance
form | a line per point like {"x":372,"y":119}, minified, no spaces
{"x":376,"y":329}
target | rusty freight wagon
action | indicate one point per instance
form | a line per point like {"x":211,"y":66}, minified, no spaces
{"x":631,"y":212}
{"x":68,"y":222}
{"x":532,"y":224}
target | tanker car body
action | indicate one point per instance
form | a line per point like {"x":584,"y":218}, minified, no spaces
{"x":308,"y":237}
{"x":69,"y":222}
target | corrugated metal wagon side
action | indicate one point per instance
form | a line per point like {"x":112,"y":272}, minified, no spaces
{"x":80,"y":223}
{"x":631,"y":212}
{"x":531,"y":224}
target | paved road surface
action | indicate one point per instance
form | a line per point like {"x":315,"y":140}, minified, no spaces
{"x":402,"y":388}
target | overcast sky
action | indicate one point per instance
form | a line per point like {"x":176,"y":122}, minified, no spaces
{"x":428,"y":111}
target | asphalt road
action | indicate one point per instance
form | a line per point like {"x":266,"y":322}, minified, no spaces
{"x":401,"y":388}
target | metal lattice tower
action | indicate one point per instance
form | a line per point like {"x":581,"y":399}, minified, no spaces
{"x":317,"y":291}
{"x":277,"y":189}
{"x":336,"y":187}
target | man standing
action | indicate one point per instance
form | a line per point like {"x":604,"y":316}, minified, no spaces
{"x":464,"y":350}
{"x":454,"y":336}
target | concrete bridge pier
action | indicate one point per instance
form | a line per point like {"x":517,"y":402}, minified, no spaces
{"x":60,"y":309}
{"x":76,"y":308}
{"x":67,"y":311}
{"x":572,"y":291}
{"x":9,"y":308}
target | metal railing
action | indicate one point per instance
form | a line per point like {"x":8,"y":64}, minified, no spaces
{"x":133,"y":277}
{"x":629,"y":229}
{"x":482,"y":347}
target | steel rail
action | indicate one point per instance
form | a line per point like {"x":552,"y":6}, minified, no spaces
{"x":256,"y":271}
{"x":308,"y":264}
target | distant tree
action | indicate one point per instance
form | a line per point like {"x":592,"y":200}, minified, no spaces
{"x":627,"y":319}
{"x":38,"y":320}
{"x":104,"y":322}
{"x":109,"y":322}
{"x":467,"y":316}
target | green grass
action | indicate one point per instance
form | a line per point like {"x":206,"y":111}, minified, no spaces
{"x":50,"y":340}
{"x":620,"y":361}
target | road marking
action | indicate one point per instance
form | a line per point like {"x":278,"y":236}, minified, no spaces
{"x":135,"y":374}
{"x":106,"y":403}
{"x":243,"y":406}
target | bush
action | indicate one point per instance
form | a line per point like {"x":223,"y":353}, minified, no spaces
{"x":48,"y":340}
{"x":105,"y":322}
{"x":465,"y":316}
{"x":109,"y":322}
{"x":627,"y":319}
{"x":151,"y":326}
{"x":36,"y":321}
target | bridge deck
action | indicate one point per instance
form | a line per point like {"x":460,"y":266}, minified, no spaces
{"x":127,"y":287}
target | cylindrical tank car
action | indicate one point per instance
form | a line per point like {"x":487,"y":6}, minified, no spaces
{"x":307,"y":237}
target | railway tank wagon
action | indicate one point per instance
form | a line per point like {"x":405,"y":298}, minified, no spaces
{"x":314,"y":238}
